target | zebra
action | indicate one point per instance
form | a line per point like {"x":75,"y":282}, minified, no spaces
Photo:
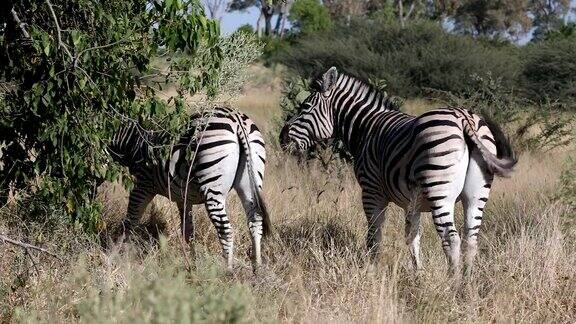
{"x":229,"y":152}
{"x":421,"y":163}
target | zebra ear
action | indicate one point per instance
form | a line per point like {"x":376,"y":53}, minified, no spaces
{"x":329,"y":79}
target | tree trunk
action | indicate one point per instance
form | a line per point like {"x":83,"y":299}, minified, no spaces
{"x":259,"y":24}
{"x":282,"y":26}
{"x":268,"y":11}
{"x":278,"y":23}
{"x":401,"y":12}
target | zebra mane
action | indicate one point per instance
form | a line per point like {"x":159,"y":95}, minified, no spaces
{"x":390,"y":102}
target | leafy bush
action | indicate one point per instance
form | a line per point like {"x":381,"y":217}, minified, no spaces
{"x":239,"y":50}
{"x":272,"y":47}
{"x":309,"y":16}
{"x":549,"y":70}
{"x":76,"y":70}
{"x":535,"y":125}
{"x":566,"y":31}
{"x":568,"y":183}
{"x":246,"y":28}
{"x":422,"y":55}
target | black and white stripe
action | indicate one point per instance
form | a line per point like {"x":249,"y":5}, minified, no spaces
{"x":423,"y":163}
{"x":227,"y":152}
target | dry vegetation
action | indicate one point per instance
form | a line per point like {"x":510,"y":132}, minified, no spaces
{"x":315,"y":267}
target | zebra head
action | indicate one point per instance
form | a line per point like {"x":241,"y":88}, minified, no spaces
{"x":315,"y":120}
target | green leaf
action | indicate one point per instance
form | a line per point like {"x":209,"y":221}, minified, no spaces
{"x":47,"y":49}
{"x":76,"y":37}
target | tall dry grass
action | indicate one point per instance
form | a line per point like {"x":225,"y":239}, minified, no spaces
{"x":315,"y":267}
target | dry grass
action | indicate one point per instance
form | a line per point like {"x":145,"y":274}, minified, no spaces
{"x":315,"y":267}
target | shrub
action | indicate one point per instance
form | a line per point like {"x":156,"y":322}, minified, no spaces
{"x":78,"y":69}
{"x":246,"y":28}
{"x":568,"y":183}
{"x":272,"y":47}
{"x":422,"y":55}
{"x":309,"y":16}
{"x":549,"y":70}
{"x":536,"y":125}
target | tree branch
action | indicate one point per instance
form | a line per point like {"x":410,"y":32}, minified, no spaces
{"x":58,"y":30}
{"x":100,"y":47}
{"x":20,"y":24}
{"x":26,"y":246}
{"x":410,"y":10}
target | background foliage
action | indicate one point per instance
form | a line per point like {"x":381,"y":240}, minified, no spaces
{"x":309,"y":16}
{"x":411,"y":59}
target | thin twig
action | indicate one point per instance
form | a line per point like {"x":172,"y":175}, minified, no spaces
{"x":34,"y":264}
{"x":58,"y":30}
{"x":100,"y":47}
{"x":26,"y":246}
{"x":20,"y":24}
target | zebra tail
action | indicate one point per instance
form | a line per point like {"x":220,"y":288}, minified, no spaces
{"x":260,"y":203}
{"x":502,"y":164}
{"x":267,"y":225}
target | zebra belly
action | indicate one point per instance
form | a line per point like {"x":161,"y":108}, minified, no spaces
{"x":413,"y":191}
{"x":179,"y":193}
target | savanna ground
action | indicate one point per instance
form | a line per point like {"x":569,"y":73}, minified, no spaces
{"x":315,"y":267}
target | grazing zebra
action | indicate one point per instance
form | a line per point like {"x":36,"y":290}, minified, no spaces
{"x":229,"y":153}
{"x":424,"y":163}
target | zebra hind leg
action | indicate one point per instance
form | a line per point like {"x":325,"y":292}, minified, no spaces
{"x":216,"y":208}
{"x":249,"y":199}
{"x":474,"y":197}
{"x":412,"y":228}
{"x":255,"y":228}
{"x":443,"y":217}
{"x":412,"y":231}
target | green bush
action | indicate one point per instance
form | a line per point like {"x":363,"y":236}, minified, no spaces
{"x":272,"y":47}
{"x":549,"y":70}
{"x":309,"y":16}
{"x":534,"y":125}
{"x":75,"y":71}
{"x":568,"y":183}
{"x":246,"y":28}
{"x":411,"y":59}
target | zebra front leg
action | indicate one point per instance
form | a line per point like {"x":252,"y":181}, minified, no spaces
{"x":139,"y":199}
{"x":412,"y":231}
{"x":374,"y":208}
{"x":216,"y":208}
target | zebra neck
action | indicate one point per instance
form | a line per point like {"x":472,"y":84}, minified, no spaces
{"x":355,"y":116}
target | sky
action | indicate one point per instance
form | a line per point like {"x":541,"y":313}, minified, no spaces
{"x":232,"y":20}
